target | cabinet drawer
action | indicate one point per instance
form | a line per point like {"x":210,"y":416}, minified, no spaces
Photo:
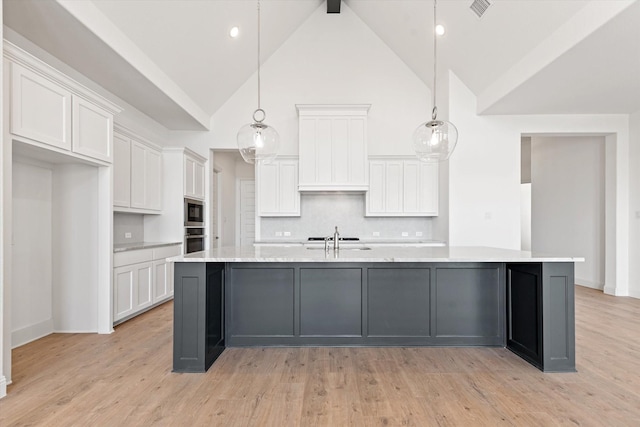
{"x":166,"y":252}
{"x":132,"y":257}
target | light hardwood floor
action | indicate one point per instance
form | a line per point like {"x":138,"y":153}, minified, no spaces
{"x":125,"y":379}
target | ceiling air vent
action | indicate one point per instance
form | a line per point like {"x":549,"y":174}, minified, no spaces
{"x":479,"y":7}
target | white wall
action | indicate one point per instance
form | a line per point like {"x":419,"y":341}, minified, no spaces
{"x":568,"y":202}
{"x":525,"y":216}
{"x":31,"y":300}
{"x":634,"y":205}
{"x":484,"y":177}
{"x":75,"y":241}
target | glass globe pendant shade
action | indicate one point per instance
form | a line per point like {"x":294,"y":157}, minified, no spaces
{"x":435,"y":140}
{"x":258,"y":142}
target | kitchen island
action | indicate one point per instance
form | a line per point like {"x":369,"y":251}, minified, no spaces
{"x":358,"y":296}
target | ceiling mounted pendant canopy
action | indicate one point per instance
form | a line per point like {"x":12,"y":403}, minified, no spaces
{"x":435,"y":140}
{"x":258,"y":142}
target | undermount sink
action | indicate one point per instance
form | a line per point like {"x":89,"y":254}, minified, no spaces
{"x":358,"y":248}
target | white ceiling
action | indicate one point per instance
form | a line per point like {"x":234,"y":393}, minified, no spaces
{"x":174,"y":60}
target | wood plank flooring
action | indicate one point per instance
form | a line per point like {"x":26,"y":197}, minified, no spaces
{"x":125,"y":379}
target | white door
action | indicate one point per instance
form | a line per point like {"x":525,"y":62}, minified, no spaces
{"x":247,"y":212}
{"x":215,"y":210}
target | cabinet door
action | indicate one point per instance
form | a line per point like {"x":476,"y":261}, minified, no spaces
{"x":376,"y":195}
{"x":278,"y":188}
{"x":121,"y":171}
{"x":92,"y":130}
{"x":138,"y":175}
{"x":268,"y":188}
{"x":393,"y":187}
{"x":40,"y":109}
{"x":428,"y":192}
{"x":143,"y":285}
{"x":198,"y":180}
{"x":289,"y":197}
{"x":124,"y":295}
{"x":189,"y":177}
{"x":162,"y":276}
{"x":411,"y":187}
{"x":153,"y":180}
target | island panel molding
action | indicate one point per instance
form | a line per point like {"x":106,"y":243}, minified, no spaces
{"x":443,"y":297}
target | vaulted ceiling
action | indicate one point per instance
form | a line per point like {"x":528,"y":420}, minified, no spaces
{"x":174,"y":59}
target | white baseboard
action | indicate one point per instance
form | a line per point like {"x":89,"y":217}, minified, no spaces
{"x":3,"y":386}
{"x":30,"y":333}
{"x":609,"y":290}
{"x":589,"y":284}
{"x":634,"y":293}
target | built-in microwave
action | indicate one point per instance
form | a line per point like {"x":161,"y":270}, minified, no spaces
{"x":193,"y":213}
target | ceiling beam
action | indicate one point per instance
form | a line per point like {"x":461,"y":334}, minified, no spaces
{"x":333,"y":6}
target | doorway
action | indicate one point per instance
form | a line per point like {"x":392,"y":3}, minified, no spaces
{"x":566,"y":201}
{"x":232,"y":215}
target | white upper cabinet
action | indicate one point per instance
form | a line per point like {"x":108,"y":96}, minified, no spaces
{"x":121,"y":171}
{"x":137,"y":175}
{"x":40,"y":108}
{"x":278,"y":187}
{"x":402,"y":187}
{"x":194,"y":177}
{"x":92,"y":130}
{"x":50,"y":110}
{"x":333,"y":147}
{"x":146,"y":177}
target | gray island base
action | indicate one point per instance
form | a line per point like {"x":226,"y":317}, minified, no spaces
{"x":417,"y":297}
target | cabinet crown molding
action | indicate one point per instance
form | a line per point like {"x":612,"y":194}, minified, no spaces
{"x":19,"y":56}
{"x":333,"y":109}
{"x":187,"y":152}
{"x":128,"y":133}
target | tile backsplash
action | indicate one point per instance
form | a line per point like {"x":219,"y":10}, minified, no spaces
{"x":320,"y":213}
{"x":124,"y":223}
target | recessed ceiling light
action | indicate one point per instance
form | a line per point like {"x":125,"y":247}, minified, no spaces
{"x":440,"y":29}
{"x":234,"y":32}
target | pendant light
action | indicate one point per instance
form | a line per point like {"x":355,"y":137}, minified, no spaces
{"x":435,"y":140}
{"x":258,"y":142}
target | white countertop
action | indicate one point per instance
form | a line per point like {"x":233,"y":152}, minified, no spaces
{"x":141,"y":245}
{"x":345,"y":243}
{"x":375,"y":254}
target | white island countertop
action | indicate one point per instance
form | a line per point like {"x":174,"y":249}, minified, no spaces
{"x":375,"y":254}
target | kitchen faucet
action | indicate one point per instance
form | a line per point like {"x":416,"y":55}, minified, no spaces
{"x":336,"y":241}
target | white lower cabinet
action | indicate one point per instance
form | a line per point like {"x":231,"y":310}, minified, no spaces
{"x":402,"y":187}
{"x":141,"y":279}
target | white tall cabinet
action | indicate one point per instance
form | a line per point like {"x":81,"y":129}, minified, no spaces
{"x":402,"y":187}
{"x":333,"y":147}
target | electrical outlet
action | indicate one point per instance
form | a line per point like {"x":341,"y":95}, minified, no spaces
{"x":418,"y":233}
{"x":278,"y":233}
{"x":287,"y":234}
{"x":376,"y":234}
{"x":405,"y":234}
{"x":127,"y":235}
